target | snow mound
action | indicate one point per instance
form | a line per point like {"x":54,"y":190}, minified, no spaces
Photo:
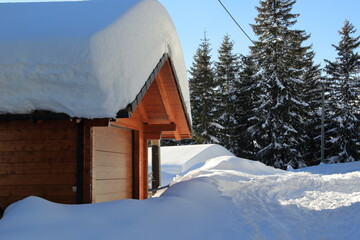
{"x":87,"y":59}
{"x":272,"y":204}
{"x":312,"y":191}
{"x":178,"y":160}
{"x":226,"y":166}
{"x":226,"y":198}
{"x":328,"y":169}
{"x":226,"y":163}
{"x":174,"y":216}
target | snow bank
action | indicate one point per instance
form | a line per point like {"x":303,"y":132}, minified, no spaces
{"x":275,"y":204}
{"x":173,"y":216}
{"x":178,"y":160}
{"x":226,"y":198}
{"x":87,"y":59}
{"x":328,"y":169}
{"x":230,"y":166}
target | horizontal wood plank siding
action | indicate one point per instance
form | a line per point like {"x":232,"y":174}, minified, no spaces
{"x":112,"y":176}
{"x":17,"y":168}
{"x":35,"y":134}
{"x":41,"y":124}
{"x":111,"y":196}
{"x":33,"y":190}
{"x":38,"y":145}
{"x":107,"y":186}
{"x":38,"y":179}
{"x":38,"y":156}
{"x":38,"y":159}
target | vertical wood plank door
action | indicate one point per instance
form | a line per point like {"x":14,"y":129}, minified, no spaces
{"x":112,"y":164}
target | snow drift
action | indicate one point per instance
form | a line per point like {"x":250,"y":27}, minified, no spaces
{"x":178,"y":160}
{"x":226,"y":198}
{"x":87,"y":59}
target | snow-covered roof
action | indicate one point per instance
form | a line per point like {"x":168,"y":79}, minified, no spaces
{"x":87,"y":59}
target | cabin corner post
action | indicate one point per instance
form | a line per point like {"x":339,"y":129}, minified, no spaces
{"x":156,"y":162}
{"x":80,"y":162}
{"x":144,"y":171}
{"x":136,"y":163}
{"x":143,"y":165}
{"x":87,"y":178}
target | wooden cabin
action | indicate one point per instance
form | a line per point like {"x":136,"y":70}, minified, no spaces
{"x":71,"y":159}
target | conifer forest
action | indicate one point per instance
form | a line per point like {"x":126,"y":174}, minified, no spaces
{"x":276,"y":105}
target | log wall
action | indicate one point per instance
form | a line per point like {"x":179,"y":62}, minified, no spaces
{"x":38,"y":159}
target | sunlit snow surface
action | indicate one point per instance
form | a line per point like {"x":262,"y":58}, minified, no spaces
{"x":224,"y":198}
{"x":319,"y":200}
{"x":236,"y":178}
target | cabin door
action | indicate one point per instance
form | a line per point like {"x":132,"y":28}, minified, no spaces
{"x":112,"y":163}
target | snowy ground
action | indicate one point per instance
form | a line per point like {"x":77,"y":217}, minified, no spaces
{"x":226,"y":198}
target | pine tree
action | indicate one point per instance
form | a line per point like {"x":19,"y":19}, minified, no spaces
{"x":227,"y":76}
{"x":343,"y":138}
{"x":202,"y":94}
{"x":279,"y":132}
{"x":246,"y":99}
{"x":312,"y":95}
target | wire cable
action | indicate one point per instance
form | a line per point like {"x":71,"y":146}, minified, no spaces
{"x":236,"y":22}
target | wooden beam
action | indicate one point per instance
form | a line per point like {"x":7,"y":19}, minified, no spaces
{"x":144,"y":116}
{"x":152,"y":135}
{"x":153,"y":131}
{"x":131,"y":123}
{"x":166,"y":100}
{"x":159,"y":127}
{"x":164,"y":97}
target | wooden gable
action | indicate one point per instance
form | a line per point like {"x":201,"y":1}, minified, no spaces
{"x":159,"y":113}
{"x":160,"y":105}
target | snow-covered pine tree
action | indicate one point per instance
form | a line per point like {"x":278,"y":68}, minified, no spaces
{"x":202,"y":94}
{"x":247,"y":96}
{"x":279,"y":131}
{"x":343,"y":139}
{"x":227,"y":76}
{"x":312,"y":95}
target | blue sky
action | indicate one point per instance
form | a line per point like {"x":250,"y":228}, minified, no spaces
{"x":321,"y":18}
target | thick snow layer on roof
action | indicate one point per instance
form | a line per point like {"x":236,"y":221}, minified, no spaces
{"x":87,"y":59}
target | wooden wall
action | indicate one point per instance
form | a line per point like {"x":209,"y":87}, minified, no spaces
{"x":38,"y":158}
{"x":112,"y":166}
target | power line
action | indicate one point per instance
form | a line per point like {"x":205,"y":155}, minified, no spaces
{"x":236,"y":22}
